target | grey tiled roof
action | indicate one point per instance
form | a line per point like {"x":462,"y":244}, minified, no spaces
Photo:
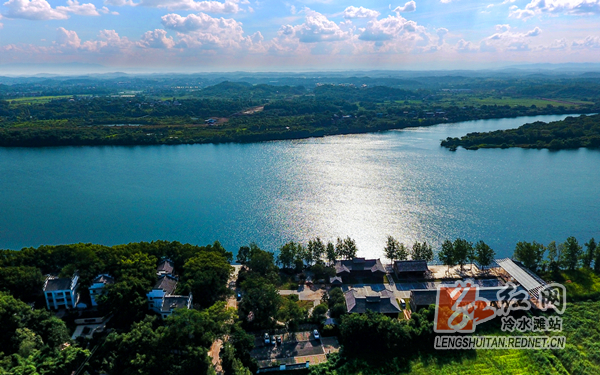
{"x":423,"y":297}
{"x":104,"y":279}
{"x":383,"y":302}
{"x":165,"y":266}
{"x":175,"y":302}
{"x":410,"y":266}
{"x":166,"y":283}
{"x":358,"y":264}
{"x":63,"y":283}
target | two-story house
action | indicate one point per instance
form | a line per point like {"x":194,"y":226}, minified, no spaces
{"x":61,"y":292}
{"x":98,"y":287}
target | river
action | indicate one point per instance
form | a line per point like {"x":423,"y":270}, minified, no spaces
{"x":366,"y":186}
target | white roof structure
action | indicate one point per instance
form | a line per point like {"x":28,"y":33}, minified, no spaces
{"x":523,"y":276}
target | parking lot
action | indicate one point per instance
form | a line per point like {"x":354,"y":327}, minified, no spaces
{"x":293,"y":345}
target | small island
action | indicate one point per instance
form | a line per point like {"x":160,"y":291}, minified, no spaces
{"x":570,"y":133}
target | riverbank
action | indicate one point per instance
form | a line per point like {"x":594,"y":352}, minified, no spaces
{"x":570,"y":133}
{"x":265,"y":129}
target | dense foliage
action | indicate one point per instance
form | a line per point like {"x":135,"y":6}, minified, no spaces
{"x":215,"y":109}
{"x":570,"y":133}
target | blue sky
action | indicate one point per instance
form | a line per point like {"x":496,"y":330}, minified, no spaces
{"x":298,"y":35}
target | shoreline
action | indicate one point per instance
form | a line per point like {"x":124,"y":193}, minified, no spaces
{"x":36,"y":139}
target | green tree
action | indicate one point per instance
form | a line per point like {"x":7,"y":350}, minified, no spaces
{"x":243,"y":343}
{"x":484,"y":254}
{"x":127,"y":300}
{"x":291,"y":313}
{"x":262,"y":262}
{"x":331,"y":253}
{"x":138,"y":266}
{"x":553,"y":257}
{"x":321,"y":272}
{"x":336,"y":302}
{"x":571,"y":254}
{"x":230,"y":364}
{"x":421,"y":251}
{"x":260,"y":303}
{"x":24,"y":283}
{"x":346,"y":248}
{"x":316,"y":249}
{"x":590,"y":252}
{"x":530,"y":254}
{"x":319,"y":313}
{"x":205,"y":276}
{"x":446,"y":254}
{"x":287,"y":255}
{"x":243,"y":255}
{"x":141,"y":350}
{"x":391,"y":249}
{"x":462,"y":251}
{"x":190,"y":327}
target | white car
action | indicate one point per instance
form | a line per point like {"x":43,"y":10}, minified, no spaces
{"x":267,"y":339}
{"x":316,"y":334}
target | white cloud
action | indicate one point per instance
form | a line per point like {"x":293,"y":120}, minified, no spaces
{"x":67,"y":38}
{"x":559,"y":44}
{"x":108,"y":41}
{"x":203,"y":31}
{"x":506,"y":40}
{"x":535,"y":32}
{"x":42,"y":10}
{"x":466,"y":46}
{"x":119,"y":3}
{"x":538,"y":7}
{"x":389,"y":28}
{"x":211,"y":6}
{"x":74,"y":7}
{"x":32,"y":10}
{"x":316,"y":28}
{"x":354,"y":12}
{"x":441,"y":33}
{"x":591,"y":42}
{"x":156,"y":39}
{"x":411,"y":6}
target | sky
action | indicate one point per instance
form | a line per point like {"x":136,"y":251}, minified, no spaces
{"x":267,"y":35}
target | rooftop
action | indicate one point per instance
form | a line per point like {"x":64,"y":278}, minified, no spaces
{"x":104,"y":279}
{"x":165,"y":266}
{"x":175,"y":302}
{"x":167,"y":283}
{"x":55,"y":283}
{"x":411,"y":266}
{"x":358,"y":264}
{"x":362,"y":299}
{"x":423,"y":297}
{"x":531,"y":282}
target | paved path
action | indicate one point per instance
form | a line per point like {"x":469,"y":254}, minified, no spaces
{"x":305,"y":294}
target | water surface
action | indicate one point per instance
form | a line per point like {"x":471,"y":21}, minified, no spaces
{"x":366,"y":186}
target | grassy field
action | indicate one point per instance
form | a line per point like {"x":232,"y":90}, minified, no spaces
{"x":526,"y":102}
{"x":38,"y":99}
{"x":482,"y":362}
{"x":581,"y":284}
{"x":581,"y":355}
{"x":477,"y":101}
{"x":305,"y":304}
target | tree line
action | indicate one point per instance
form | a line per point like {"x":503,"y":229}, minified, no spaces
{"x":568,"y":255}
{"x":570,"y":133}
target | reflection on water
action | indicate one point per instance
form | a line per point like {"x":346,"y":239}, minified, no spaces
{"x":367,"y":186}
